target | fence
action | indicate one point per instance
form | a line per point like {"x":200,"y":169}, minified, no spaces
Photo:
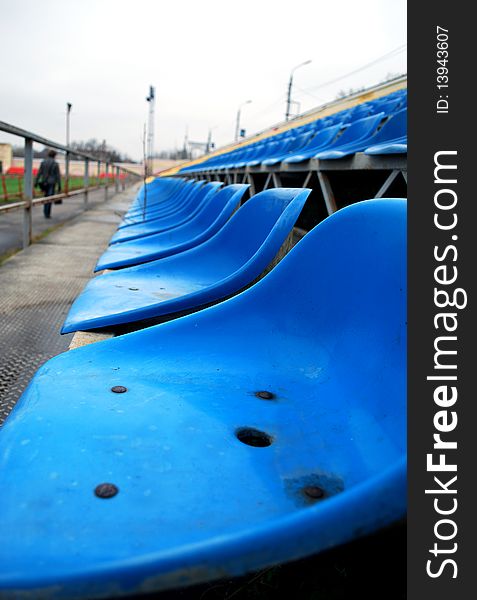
{"x":111,"y":173}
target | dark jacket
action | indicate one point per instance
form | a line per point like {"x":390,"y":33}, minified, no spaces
{"x":48,"y":174}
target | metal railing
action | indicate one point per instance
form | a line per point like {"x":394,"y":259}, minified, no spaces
{"x":120,"y":177}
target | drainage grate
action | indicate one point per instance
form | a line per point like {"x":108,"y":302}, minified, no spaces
{"x":37,"y":287}
{"x":32,"y":311}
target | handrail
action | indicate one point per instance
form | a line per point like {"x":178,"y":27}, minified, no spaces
{"x":10,"y":206}
{"x":29,"y":201}
{"x":18,"y":131}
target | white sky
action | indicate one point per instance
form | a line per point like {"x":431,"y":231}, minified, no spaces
{"x":205,"y":57}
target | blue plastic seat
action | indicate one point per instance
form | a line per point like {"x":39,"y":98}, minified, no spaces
{"x":388,"y":106}
{"x":394,"y":127}
{"x":243,"y":159}
{"x":268,"y":150}
{"x":256,"y":157}
{"x":160,"y":187}
{"x":294,"y":145}
{"x":264,"y":150}
{"x":396,"y":146}
{"x":189,"y":194}
{"x":260,"y":430}
{"x":225,"y":263}
{"x":229,"y":159}
{"x":153,"y":195}
{"x":192,"y":233}
{"x":230,"y":156}
{"x":279,"y":147}
{"x":358,"y":132}
{"x":321,"y":140}
{"x":143,"y":202}
{"x":196,"y":205}
{"x":392,"y":139}
{"x":358,"y":112}
{"x":329,"y":121}
{"x":180,"y":206}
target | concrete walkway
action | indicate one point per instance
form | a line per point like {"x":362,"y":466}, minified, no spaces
{"x":38,"y":286}
{"x":11,"y":223}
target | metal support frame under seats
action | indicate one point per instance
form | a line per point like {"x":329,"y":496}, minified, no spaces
{"x":327,"y":192}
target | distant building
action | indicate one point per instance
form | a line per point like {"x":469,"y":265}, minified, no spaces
{"x":6,"y":157}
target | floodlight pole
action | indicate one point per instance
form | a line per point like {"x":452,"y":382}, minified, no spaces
{"x":150,"y":129}
{"x":290,"y":84}
{"x":209,"y":142}
{"x":237,"y":122}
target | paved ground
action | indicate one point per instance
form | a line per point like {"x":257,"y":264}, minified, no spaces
{"x":11,"y":223}
{"x":39,"y":284}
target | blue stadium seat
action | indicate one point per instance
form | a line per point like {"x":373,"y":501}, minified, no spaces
{"x":225,"y":263}
{"x":158,"y":191}
{"x":189,"y":194}
{"x":357,"y":132}
{"x":293,"y":147}
{"x":387,"y":106}
{"x":231,"y":158}
{"x":269,"y":147}
{"x":322,"y":139}
{"x":260,"y":430}
{"x":253,"y":152}
{"x":155,"y":224}
{"x":155,"y":195}
{"x":392,"y":138}
{"x":207,"y":222}
{"x":358,"y":112}
{"x":394,"y":127}
{"x":279,"y":147}
{"x":395,"y":140}
{"x":397,"y":146}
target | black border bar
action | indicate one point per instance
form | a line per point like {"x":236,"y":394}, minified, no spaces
{"x":442,"y":352}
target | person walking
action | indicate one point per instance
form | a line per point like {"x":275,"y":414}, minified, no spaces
{"x":47,"y":179}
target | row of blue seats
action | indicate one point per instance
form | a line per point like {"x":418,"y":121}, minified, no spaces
{"x":261,"y":429}
{"x":377,"y":127}
{"x":184,"y":251}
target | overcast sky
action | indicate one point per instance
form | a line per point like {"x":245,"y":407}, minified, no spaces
{"x":205,"y":57}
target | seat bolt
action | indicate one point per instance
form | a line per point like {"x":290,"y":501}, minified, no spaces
{"x":314,"y":492}
{"x":106,"y":490}
{"x":264,"y":395}
{"x":119,"y":389}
